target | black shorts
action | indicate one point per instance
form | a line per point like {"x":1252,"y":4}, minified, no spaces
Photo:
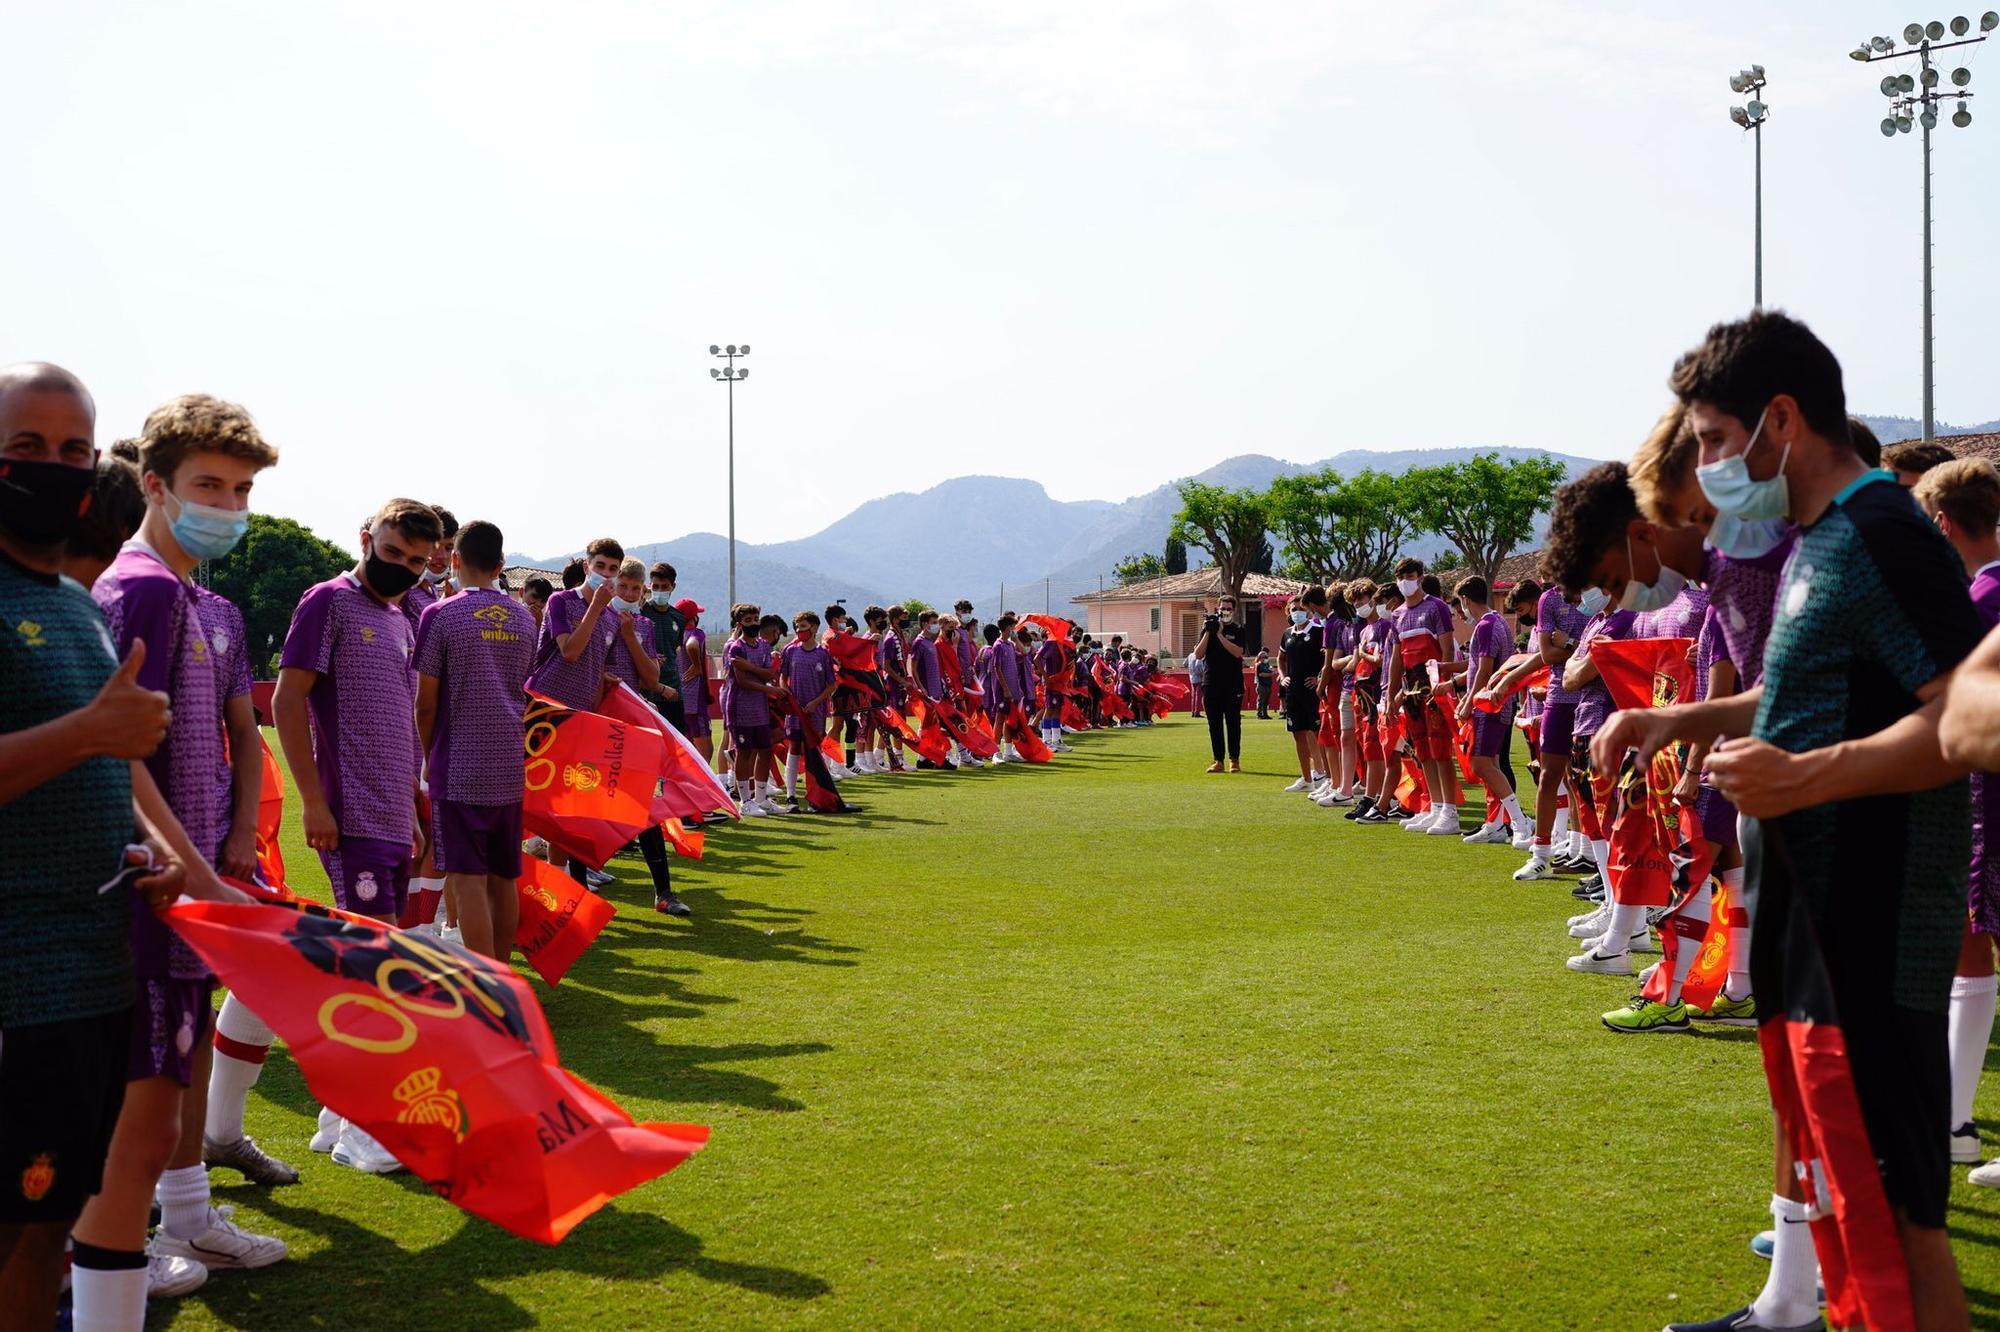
{"x":61,"y":1087}
{"x":1301,"y":708}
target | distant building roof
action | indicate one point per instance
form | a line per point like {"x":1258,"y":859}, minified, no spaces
{"x":515,"y":576}
{"x":1517,"y":568}
{"x":1985,"y":446}
{"x":1192,"y":586}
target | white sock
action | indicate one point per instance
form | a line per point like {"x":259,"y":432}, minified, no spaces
{"x":1541,"y":850}
{"x":792,"y":764}
{"x":108,"y":1301}
{"x":1789,"y":1297}
{"x":1626,"y":921}
{"x":1971,"y":1027}
{"x":233,"y":1075}
{"x":1560,"y":828}
{"x":1600,"y":851}
{"x":183,"y":1197}
{"x":1737,"y":986}
{"x":1511,"y":806}
{"x":1690,"y":927}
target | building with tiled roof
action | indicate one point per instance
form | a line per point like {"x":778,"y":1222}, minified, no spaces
{"x":1164,"y":614}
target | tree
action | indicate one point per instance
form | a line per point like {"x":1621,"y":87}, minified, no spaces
{"x":1369,"y":517}
{"x":267,"y":573}
{"x":1176,"y":560}
{"x":1447,"y":562}
{"x":1484,"y":507}
{"x":1262,"y":561}
{"x":1302,"y":514}
{"x":1139,"y":568}
{"x":1228,"y":524}
{"x":917,"y":606}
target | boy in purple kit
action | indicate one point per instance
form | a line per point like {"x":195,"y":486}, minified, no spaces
{"x":926,"y":676}
{"x":1559,"y":622}
{"x":1006,"y":667}
{"x":1048,"y":664}
{"x":634,"y":661}
{"x":346,"y":710}
{"x":199,"y":459}
{"x":1423,"y":628}
{"x":472,"y":656}
{"x":437,"y":581}
{"x":1492,"y":642}
{"x":577,"y":633}
{"x":806,"y":670}
{"x":1963,"y":498}
{"x":747,"y":663}
{"x":426,"y":883}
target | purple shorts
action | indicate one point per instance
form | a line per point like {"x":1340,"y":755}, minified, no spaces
{"x":476,"y":839}
{"x":1717,"y":816}
{"x":169,"y":1020}
{"x":1558,"y":729}
{"x":751,"y":737}
{"x":694,"y":723}
{"x":370,"y":876}
{"x":1489,"y":733}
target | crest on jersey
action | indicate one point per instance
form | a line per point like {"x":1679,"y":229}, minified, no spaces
{"x":38,"y":1178}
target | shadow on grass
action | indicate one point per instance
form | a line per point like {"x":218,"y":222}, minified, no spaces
{"x":446,"y":1284}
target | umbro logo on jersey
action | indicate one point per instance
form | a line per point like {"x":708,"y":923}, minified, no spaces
{"x":31,"y":633}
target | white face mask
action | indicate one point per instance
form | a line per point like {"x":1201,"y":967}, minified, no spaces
{"x":1408,"y":586}
{"x":1592,"y":601}
{"x":1300,"y":617}
{"x":629,"y":607}
{"x":1366,"y":610}
{"x":1652,"y":596}
{"x":593,"y":580}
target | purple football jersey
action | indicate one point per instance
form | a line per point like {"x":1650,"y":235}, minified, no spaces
{"x":1554,"y":614}
{"x":1744,"y":594}
{"x":1594,"y":704}
{"x":807,"y":672}
{"x":1679,"y":618}
{"x":924,"y":665}
{"x":363,"y":707}
{"x":574,"y":684}
{"x":618,"y":661}
{"x":478,"y":646}
{"x":747,"y":707}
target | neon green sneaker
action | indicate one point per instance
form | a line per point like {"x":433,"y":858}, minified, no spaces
{"x":1643,"y":1015}
{"x":1735,"y":1012}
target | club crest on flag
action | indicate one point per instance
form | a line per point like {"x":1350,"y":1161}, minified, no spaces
{"x":425,"y":1101}
{"x":581,"y":776}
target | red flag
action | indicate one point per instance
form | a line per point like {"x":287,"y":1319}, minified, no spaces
{"x":1072,"y":716}
{"x":1170,"y":689}
{"x":559,"y":918}
{"x":270,"y":817}
{"x":971,"y":738}
{"x":1711,"y":965}
{"x":443,"y":1057}
{"x":1026,"y":743}
{"x":820,"y":792}
{"x":854,"y":659}
{"x":590,"y":778}
{"x":1656,"y":845}
{"x":1329,"y":723}
{"x":1057,"y":629}
{"x":933,"y":744}
{"x":689,"y":787}
{"x":1534,"y":679}
{"x":685,"y":841}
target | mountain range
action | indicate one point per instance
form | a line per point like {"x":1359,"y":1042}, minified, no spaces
{"x":983,"y":537}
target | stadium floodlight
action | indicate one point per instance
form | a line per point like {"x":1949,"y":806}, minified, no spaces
{"x":1751,"y":116}
{"x":1916,"y":101}
{"x":730,"y":374}
{"x":1859,"y":53}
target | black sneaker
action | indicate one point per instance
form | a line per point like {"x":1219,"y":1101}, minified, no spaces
{"x":1374,"y":816}
{"x":1360,"y":810}
{"x":1396,"y":811}
{"x":1585,"y":887}
{"x":672,"y":905}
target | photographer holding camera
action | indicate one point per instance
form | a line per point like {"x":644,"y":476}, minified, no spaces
{"x":1220,"y":650}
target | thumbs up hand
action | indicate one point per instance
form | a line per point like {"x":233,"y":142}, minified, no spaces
{"x":127,"y":720}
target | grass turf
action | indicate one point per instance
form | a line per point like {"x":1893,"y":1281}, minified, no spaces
{"x":1108,"y":1043}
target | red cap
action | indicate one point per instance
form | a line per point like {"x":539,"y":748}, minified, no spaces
{"x":686,"y":606}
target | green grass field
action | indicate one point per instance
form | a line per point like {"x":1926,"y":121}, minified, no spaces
{"x":1107,"y":1043}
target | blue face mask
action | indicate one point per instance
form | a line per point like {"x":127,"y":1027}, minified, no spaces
{"x":206,"y":532}
{"x":1592,"y":601}
{"x":593,"y":580}
{"x":1735,"y":493}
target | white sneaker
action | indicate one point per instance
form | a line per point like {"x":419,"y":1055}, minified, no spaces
{"x":1446,"y":824}
{"x":1332,"y":799}
{"x":169,"y":1277}
{"x":1536,"y":868}
{"x":327,"y":1133}
{"x":1645,"y":977}
{"x":362,"y":1152}
{"x":1590,"y":924}
{"x":1987,"y":1175}
{"x":223,"y":1244}
{"x":451,"y":934}
{"x":1318,"y":776}
{"x":1601,"y":964}
{"x":1062,"y":747}
{"x":1491,"y":834}
{"x":1641,"y":942}
{"x":1422,"y":822}
{"x":538,"y":847}
{"x":999,"y":757}
{"x":771,"y":806}
{"x":598,"y":878}
{"x":973,"y":760}
{"x":1525,"y":842}
{"x":1299,"y":784}
{"x":751,"y":809}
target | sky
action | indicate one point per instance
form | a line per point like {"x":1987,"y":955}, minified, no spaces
{"x":477,"y":252}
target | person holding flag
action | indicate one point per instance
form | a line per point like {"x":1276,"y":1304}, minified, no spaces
{"x":806,"y":670}
{"x":346,"y":712}
{"x":199,"y":459}
{"x":634,"y":660}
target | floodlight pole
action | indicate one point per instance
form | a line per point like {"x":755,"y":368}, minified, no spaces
{"x":1758,"y":300}
{"x":1752,"y":117}
{"x":1923,"y":101}
{"x":729,"y":375}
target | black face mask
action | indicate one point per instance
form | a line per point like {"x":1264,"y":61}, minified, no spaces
{"x":42,"y":502}
{"x":386,"y":578}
